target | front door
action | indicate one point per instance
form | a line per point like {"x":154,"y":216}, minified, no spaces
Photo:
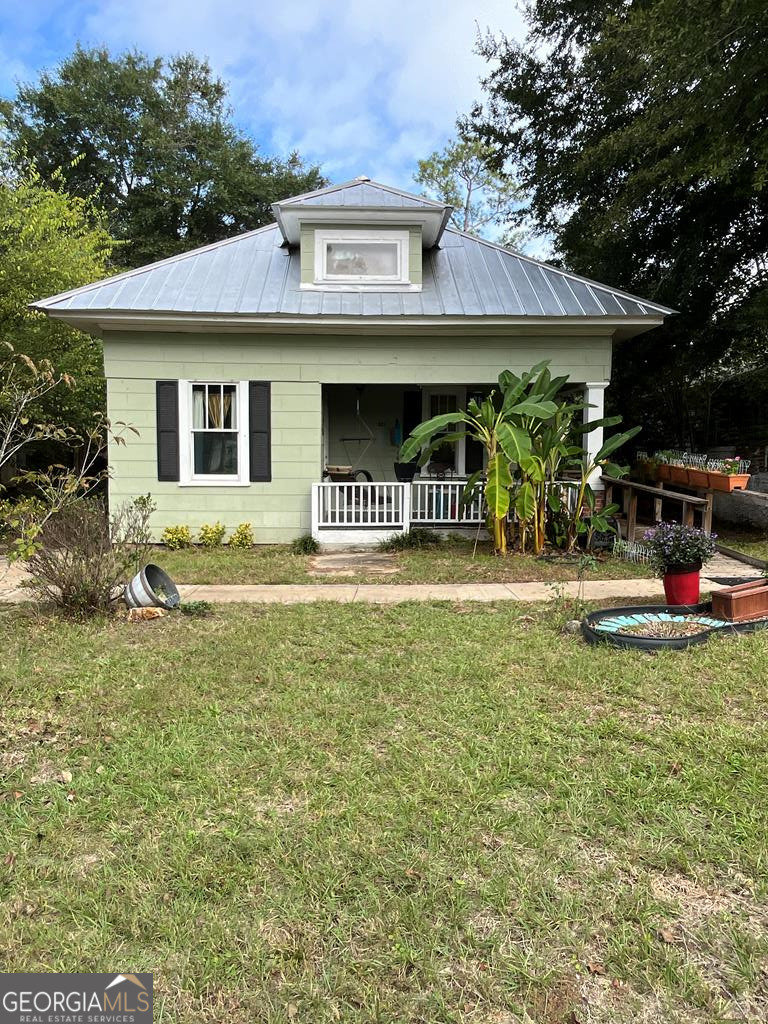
{"x":449,"y":459}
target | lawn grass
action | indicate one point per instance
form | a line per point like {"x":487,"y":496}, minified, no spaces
{"x":417,"y":813}
{"x":751,"y":542}
{"x":451,"y":562}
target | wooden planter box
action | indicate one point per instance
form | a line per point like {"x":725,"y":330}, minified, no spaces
{"x":698,"y":478}
{"x":664,"y":472}
{"x":679,"y":475}
{"x":739,"y":604}
{"x":728,"y":482}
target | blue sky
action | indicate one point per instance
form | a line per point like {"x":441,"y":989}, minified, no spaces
{"x":359,"y":87}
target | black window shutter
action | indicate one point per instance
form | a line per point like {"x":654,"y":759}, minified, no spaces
{"x":167,"y":401}
{"x":260,"y":429}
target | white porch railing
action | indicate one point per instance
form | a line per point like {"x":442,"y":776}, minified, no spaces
{"x":372,"y":511}
{"x":438,"y":503}
{"x":391,"y":507}
{"x":344,"y":506}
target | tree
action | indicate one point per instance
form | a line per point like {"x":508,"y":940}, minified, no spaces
{"x":641,"y":137}
{"x":481,"y":197}
{"x":51,"y":242}
{"x":155,"y":141}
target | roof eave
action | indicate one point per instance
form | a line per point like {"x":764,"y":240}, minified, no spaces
{"x":98,"y":321}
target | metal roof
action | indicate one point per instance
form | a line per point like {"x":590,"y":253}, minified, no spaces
{"x":362,"y":192}
{"x":256,"y":274}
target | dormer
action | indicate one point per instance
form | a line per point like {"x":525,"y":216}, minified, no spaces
{"x":361,"y":235}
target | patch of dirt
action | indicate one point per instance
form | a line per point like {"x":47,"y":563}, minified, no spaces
{"x":698,"y":904}
{"x":354,"y":563}
{"x":48,"y":772}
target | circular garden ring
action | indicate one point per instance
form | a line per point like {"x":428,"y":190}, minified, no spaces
{"x":658,"y":627}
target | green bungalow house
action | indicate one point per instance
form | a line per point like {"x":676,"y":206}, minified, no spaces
{"x":273,"y":376}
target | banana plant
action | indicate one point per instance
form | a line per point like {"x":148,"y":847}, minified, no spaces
{"x":502,"y":424}
{"x":588,"y":465}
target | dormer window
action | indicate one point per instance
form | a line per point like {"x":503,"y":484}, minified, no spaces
{"x":359,"y":257}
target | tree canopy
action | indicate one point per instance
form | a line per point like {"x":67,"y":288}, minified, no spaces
{"x":155,"y":141}
{"x":51,"y":242}
{"x":482,"y":197}
{"x":641,"y":135}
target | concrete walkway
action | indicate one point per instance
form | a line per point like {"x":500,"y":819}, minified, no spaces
{"x":395,"y":593}
{"x":11,"y":590}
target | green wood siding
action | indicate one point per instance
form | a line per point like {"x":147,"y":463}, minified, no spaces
{"x":307,"y":246}
{"x":297,"y":366}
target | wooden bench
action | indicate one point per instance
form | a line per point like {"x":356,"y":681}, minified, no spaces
{"x":631,"y":490}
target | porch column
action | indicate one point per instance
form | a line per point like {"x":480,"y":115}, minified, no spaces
{"x":594,"y":396}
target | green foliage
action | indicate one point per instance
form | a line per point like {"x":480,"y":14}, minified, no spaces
{"x":20,"y":521}
{"x":304,"y":545}
{"x":51,"y":242}
{"x":157,"y":142}
{"x":211,"y":535}
{"x":242,"y":536}
{"x":176,"y":537}
{"x":480,"y":196}
{"x":638,"y":135}
{"x":415,"y":539}
{"x":529,"y":437}
{"x":197,"y":609}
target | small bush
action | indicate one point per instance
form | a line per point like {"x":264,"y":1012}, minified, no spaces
{"x":242,"y":536}
{"x":305,"y":545}
{"x":196,"y":609}
{"x":82,"y":556}
{"x":176,"y":537}
{"x":411,"y":540}
{"x":212,"y":535}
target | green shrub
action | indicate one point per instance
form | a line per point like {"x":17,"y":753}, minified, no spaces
{"x":242,"y":536}
{"x":305,"y":545}
{"x":197,"y":609}
{"x":411,"y":540}
{"x":212,"y":535}
{"x":175,"y":537}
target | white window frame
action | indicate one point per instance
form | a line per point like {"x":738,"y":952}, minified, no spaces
{"x":325,"y":235}
{"x":187,"y":475}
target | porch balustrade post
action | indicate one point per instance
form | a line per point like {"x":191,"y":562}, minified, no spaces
{"x":315,"y":517}
{"x":594,"y":396}
{"x":407,"y":498}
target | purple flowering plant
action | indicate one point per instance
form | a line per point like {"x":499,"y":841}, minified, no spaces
{"x":676,"y":544}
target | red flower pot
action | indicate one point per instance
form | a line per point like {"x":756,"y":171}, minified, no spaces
{"x":681,"y":583}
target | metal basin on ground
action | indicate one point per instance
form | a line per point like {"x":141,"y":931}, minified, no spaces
{"x":660,"y":627}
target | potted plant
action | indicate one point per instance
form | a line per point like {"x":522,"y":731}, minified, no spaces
{"x":697,"y":471}
{"x":663,"y":468}
{"x":678,"y":472}
{"x":677,"y":553}
{"x":729,"y":474}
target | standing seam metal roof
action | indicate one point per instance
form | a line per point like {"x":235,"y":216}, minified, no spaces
{"x":256,"y":274}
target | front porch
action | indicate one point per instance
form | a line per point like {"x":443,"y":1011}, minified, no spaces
{"x":366,"y":495}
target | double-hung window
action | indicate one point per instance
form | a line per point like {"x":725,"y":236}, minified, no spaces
{"x":214,"y":435}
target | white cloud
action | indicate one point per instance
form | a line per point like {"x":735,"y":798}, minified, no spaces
{"x":358,"y":87}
